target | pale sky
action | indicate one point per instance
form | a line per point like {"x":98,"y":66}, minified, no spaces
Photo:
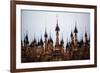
{"x":34,"y":23}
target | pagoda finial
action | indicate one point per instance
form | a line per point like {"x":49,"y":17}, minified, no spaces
{"x":26,"y":39}
{"x":45,"y":35}
{"x":41,"y":41}
{"x":85,"y":32}
{"x":57,"y":27}
{"x":62,"y":41}
{"x":71,"y":34}
{"x":75,"y":30}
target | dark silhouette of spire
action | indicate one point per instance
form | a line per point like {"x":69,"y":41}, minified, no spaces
{"x":86,"y":39}
{"x":75,"y":30}
{"x":85,"y":34}
{"x":62,"y":41}
{"x":26,"y":41}
{"x":41,"y":41}
{"x":51,"y":38}
{"x":67,"y":45}
{"x":45,"y":35}
{"x":71,"y":34}
{"x":57,"y":27}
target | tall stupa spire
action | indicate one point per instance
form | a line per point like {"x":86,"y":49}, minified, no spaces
{"x":57,"y":29}
{"x":45,"y":35}
{"x":75,"y":30}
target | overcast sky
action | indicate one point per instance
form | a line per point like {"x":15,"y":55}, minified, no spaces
{"x":34,"y":23}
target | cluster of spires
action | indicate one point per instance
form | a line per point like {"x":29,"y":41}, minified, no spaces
{"x":44,"y":50}
{"x":57,"y":29}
